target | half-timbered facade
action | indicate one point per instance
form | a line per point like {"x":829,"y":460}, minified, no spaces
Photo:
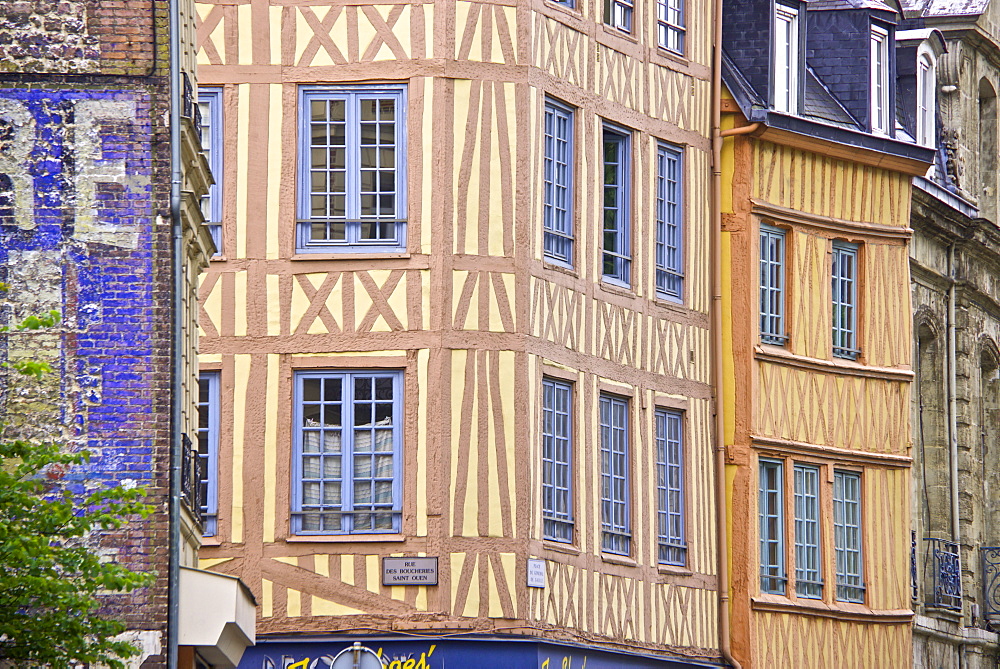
{"x":815,"y":214}
{"x":460,"y":316}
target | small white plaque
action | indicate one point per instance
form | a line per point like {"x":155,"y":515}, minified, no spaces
{"x":536,"y":573}
{"x":409,"y":571}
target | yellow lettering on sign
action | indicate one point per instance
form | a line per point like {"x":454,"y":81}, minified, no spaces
{"x":300,"y":665}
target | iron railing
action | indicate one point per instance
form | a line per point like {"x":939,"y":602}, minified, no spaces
{"x":191,"y":476}
{"x":991,"y":582}
{"x":946,"y":575}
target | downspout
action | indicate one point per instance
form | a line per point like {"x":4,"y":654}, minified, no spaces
{"x":952,"y":397}
{"x":722,"y":516}
{"x":173,"y":581}
{"x":953,"y":420}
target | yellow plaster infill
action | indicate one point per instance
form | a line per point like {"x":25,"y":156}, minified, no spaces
{"x":294,"y":599}
{"x":300,"y":303}
{"x":271,"y":446}
{"x":373,"y":572}
{"x":322,"y":565}
{"x":353,"y":354}
{"x":274,"y":148}
{"x":728,"y":165}
{"x":304,"y":34}
{"x":460,"y":361}
{"x":240,"y":306}
{"x":213,"y":305}
{"x":244,"y":27}
{"x":363,"y":301}
{"x":423,"y":358}
{"x":266,"y":599}
{"x":492,"y":443}
{"x":427,"y":170}
{"x":401,"y":29}
{"x":294,"y":561}
{"x":397,"y":301}
{"x":498,"y":197}
{"x":208,"y":563}
{"x":324,"y":607}
{"x":728,"y":361}
{"x":241,"y":372}
{"x":210,"y":358}
{"x":496,"y":323}
{"x":273,"y":305}
{"x":202,"y":10}
{"x":347,"y":569}
{"x":463,"y":94}
{"x":242,"y":164}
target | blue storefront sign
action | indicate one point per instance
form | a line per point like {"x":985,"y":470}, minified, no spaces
{"x":445,"y":653}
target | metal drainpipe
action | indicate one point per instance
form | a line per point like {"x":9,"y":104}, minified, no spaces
{"x":952,"y":398}
{"x":722,"y":516}
{"x":953,"y":421}
{"x":173,"y":581}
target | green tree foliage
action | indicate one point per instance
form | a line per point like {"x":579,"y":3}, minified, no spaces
{"x":50,"y":574}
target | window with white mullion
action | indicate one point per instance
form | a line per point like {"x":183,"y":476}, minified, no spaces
{"x":558,"y":174}
{"x":770,"y":502}
{"x":844,"y":291}
{"x":348,"y":450}
{"x":669,"y":231}
{"x":617,"y":256}
{"x":672,"y":547}
{"x":616,"y":534}
{"x":808,"y":580}
{"x":786,"y":59}
{"x":847,"y":536}
{"x":353,"y":172}
{"x":772,"y":285}
{"x":618,"y":14}
{"x":210,"y":107}
{"x":208,"y":450}
{"x":926,"y":100}
{"x":670,"y":25}
{"x":880,"y":111}
{"x":557,"y":426}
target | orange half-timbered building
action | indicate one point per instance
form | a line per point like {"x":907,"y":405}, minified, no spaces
{"x":460,"y":316}
{"x":815,"y":206}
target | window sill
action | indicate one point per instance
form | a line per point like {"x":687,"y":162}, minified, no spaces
{"x":344,"y":538}
{"x":616,"y":288}
{"x":622,"y":560}
{"x":558,"y":266}
{"x":674,"y":570}
{"x":210,"y":541}
{"x":557,"y":547}
{"x":780,"y":354}
{"x":621,"y":32}
{"x":820,"y":608}
{"x":349,"y":255}
{"x":664,"y":52}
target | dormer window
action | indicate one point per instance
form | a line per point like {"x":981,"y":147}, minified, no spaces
{"x":926,"y":99}
{"x":880,"y":80}
{"x":786,"y":59}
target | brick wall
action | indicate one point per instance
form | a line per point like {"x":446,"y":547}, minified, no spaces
{"x":85,"y":228}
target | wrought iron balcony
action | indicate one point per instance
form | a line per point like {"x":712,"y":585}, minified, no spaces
{"x":991,"y":582}
{"x":191,"y":477}
{"x":945,"y":576}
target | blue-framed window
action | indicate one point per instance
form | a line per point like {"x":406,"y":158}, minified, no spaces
{"x":845,"y":287}
{"x":670,"y":25}
{"x":617,"y":257}
{"x":210,"y":104}
{"x":557,"y":203}
{"x":672,"y":547}
{"x":772,"y":285}
{"x":669,"y":228}
{"x":347,"y":468}
{"x":352,"y":173}
{"x":616,"y":535}
{"x":557,"y":459}
{"x":618,"y":14}
{"x":847,"y":536}
{"x":770,"y":502}
{"x":208,"y":450}
{"x":808,"y":578}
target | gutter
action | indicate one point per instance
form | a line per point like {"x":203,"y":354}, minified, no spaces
{"x":174,"y":522}
{"x":722,"y":515}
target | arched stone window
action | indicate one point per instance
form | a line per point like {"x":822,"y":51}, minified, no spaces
{"x":987,"y":149}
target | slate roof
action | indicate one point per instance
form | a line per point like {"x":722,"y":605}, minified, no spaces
{"x":878,"y":5}
{"x":819,"y":103}
{"x":945,"y":7}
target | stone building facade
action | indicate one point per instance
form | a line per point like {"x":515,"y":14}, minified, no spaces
{"x":954,"y":261}
{"x":86,"y":230}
